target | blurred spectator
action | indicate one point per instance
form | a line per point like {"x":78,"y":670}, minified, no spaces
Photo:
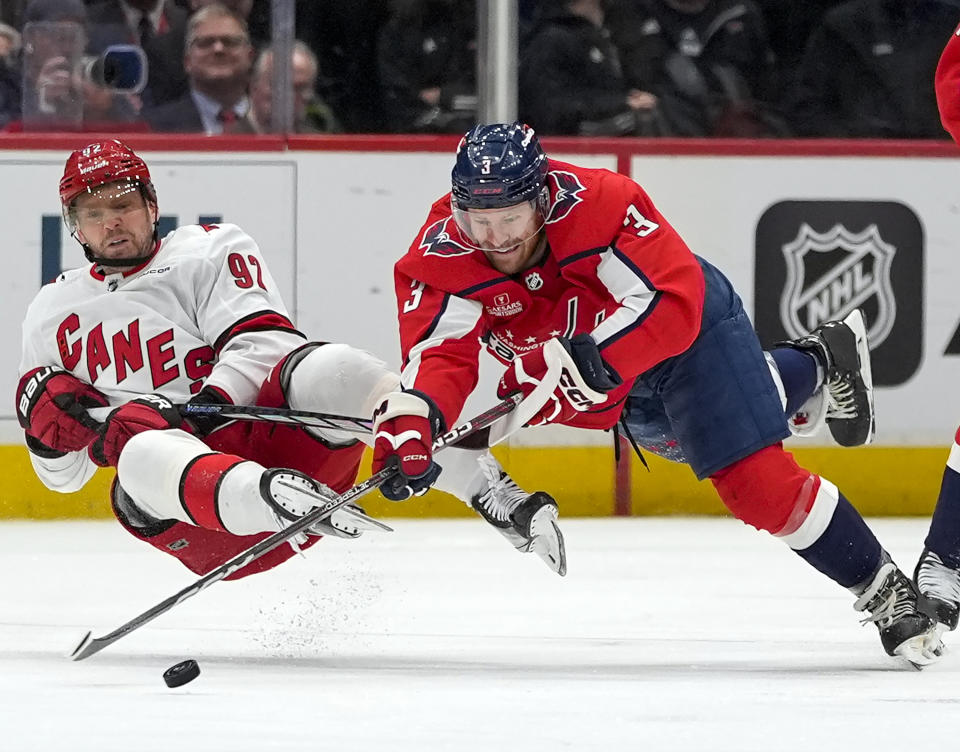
{"x":789,"y":26}
{"x":708,"y":62}
{"x":867,"y":71}
{"x":218,"y":60}
{"x":571,"y":81}
{"x":241,"y":8}
{"x":427,"y":59}
{"x":343,"y":34}
{"x":158,"y":26}
{"x":10,"y":43}
{"x":258,"y":32}
{"x":55,"y":92}
{"x":310,"y":113}
{"x":11,"y":12}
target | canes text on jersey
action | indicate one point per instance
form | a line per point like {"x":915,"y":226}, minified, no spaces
{"x":127,"y":353}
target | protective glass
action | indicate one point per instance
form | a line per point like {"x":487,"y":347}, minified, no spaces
{"x":110,"y":201}
{"x":501,"y":230}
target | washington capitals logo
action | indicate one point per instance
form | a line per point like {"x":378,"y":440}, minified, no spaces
{"x":566,"y":189}
{"x":829,"y":274}
{"x":436,"y":241}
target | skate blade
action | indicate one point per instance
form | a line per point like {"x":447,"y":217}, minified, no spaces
{"x":922,"y":650}
{"x":360,"y":520}
{"x":858,"y":325}
{"x":353,"y":517}
{"x":547,"y":540}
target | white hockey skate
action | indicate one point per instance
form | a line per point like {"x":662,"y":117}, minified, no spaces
{"x":528,"y":521}
{"x":939,"y":586}
{"x":291,"y":495}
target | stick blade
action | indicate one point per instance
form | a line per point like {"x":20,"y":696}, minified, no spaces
{"x":87,"y":647}
{"x":78,"y":652}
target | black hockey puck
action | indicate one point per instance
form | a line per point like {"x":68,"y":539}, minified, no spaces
{"x":183,"y":672}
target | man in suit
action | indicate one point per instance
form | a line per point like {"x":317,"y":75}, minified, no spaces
{"x":217,"y":60}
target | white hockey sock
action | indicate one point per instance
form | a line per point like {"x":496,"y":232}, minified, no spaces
{"x":463,"y":476}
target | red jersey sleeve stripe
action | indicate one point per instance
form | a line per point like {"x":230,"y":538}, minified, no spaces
{"x":256,"y":322}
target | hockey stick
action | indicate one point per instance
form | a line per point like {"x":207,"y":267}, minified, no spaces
{"x":362,"y":426}
{"x":90,"y":645}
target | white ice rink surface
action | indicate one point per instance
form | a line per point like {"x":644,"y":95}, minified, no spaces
{"x":665,"y":635}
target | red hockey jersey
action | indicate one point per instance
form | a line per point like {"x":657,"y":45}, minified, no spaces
{"x":947,"y":85}
{"x":613,"y":268}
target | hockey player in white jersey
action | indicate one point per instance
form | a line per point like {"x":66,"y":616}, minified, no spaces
{"x":109,"y":351}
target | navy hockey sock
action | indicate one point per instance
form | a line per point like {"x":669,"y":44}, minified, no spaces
{"x":798,"y":372}
{"x":944,"y":535}
{"x":848,"y":552}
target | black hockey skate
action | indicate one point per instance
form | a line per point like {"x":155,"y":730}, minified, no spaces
{"x":841,"y":349}
{"x":905,"y":631}
{"x":528,"y":521}
{"x":291,"y":495}
{"x":939,"y":587}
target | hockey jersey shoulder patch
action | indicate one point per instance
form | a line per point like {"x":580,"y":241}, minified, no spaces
{"x":566,"y":190}
{"x":436,"y":241}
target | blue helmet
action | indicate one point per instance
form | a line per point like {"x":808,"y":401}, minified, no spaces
{"x":498,"y":165}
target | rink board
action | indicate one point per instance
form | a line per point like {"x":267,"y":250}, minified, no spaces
{"x":880,"y":481}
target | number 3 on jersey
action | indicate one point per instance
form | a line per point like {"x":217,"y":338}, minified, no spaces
{"x":414,"y":300}
{"x":642,"y":225}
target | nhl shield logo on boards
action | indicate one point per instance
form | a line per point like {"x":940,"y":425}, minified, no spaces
{"x":816,"y":261}
{"x":829,"y":274}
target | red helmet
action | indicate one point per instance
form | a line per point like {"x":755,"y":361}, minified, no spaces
{"x":100,"y":163}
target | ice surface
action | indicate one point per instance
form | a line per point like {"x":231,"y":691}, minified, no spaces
{"x":667,"y":634}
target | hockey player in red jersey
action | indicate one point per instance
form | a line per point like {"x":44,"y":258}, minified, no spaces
{"x":108,"y":350}
{"x":602,"y":316}
{"x":937,"y":573}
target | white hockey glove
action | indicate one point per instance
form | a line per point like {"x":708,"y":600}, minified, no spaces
{"x":559,"y":380}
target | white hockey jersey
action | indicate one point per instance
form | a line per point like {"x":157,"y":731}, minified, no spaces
{"x":203,"y":311}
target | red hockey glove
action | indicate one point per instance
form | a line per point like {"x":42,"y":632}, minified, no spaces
{"x":52,"y":409}
{"x":569,"y":377}
{"x":146,"y":413}
{"x":403,"y":427}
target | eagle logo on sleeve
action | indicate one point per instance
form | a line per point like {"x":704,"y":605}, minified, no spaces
{"x":436,"y":241}
{"x":566,"y":189}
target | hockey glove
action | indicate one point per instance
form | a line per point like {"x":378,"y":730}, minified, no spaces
{"x":146,"y":413}
{"x":574,"y":372}
{"x":404,"y":427}
{"x":203,"y":425}
{"x":52,"y":409}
